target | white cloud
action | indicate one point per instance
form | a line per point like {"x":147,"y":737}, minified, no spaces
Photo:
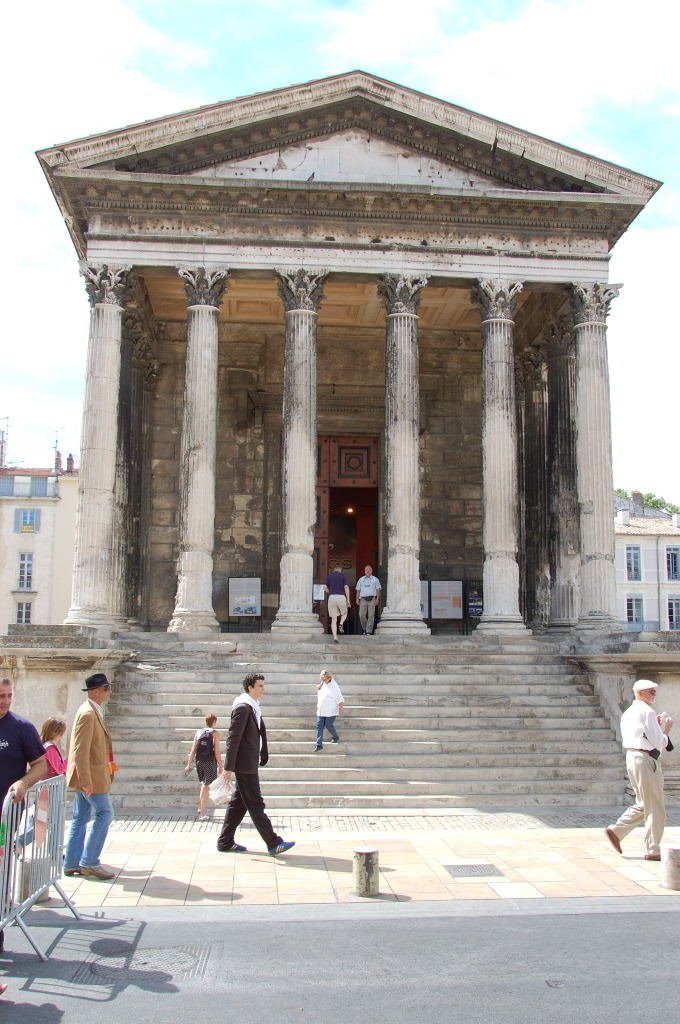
{"x":644,"y":360}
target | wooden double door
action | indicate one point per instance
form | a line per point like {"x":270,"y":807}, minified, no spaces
{"x":347,"y":504}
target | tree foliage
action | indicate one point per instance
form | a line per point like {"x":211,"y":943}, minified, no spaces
{"x":650,"y":500}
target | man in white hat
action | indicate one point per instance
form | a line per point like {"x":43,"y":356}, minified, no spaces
{"x":644,"y":736}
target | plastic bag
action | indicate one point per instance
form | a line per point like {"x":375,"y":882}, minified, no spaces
{"x":220,"y":791}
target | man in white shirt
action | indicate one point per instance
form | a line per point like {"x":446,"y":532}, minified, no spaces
{"x":329,"y":702}
{"x":368,"y":599}
{"x":644,"y":735}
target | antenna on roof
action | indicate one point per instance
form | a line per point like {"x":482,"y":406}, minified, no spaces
{"x":4,"y":440}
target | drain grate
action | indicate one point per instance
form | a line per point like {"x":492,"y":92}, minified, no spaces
{"x":470,"y":870}
{"x":118,"y":965}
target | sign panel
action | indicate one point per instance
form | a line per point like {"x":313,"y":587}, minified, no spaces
{"x":447,"y":599}
{"x":475,"y":604}
{"x":425,"y":598}
{"x":245,"y":596}
{"x":318,"y":593}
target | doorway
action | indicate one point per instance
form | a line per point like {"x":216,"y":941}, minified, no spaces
{"x":347,"y":499}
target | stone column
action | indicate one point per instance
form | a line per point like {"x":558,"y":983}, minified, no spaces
{"x":590,"y":304}
{"x":402,"y":614}
{"x":537,"y":607}
{"x":193,"y":604}
{"x":301,"y":292}
{"x":92,"y":594}
{"x":562,"y":498}
{"x":497,"y":301}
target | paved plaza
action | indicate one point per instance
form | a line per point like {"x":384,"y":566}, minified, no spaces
{"x":532,"y":855}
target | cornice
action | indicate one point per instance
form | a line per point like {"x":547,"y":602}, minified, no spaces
{"x":91,"y":193}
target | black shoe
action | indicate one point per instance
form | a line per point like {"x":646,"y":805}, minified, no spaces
{"x":336,"y":740}
{"x":234,"y":848}
{"x":318,"y":748}
{"x":341,"y":628}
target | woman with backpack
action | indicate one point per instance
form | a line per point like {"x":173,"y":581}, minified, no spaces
{"x":205,"y":750}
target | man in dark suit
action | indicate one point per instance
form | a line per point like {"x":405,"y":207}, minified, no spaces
{"x":246,"y":751}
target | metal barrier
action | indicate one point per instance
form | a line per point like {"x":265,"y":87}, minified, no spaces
{"x":31,"y":852}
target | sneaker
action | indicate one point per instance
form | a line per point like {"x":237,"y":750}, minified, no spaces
{"x":97,"y":871}
{"x":341,"y":628}
{"x":282,"y":847}
{"x":335,"y":640}
{"x":336,"y":740}
{"x":234,"y":848}
{"x":318,"y":748}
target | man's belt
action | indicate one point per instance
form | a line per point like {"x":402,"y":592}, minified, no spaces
{"x":643,"y":750}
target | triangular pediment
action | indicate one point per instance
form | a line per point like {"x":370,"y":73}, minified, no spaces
{"x":447,"y":136}
{"x":353,"y":156}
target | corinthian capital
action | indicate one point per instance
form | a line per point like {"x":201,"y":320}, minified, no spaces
{"x":108,"y":285}
{"x":497,"y":299}
{"x":300,"y":289}
{"x":204,"y":287}
{"x":590,"y":303}
{"x":401,"y":294}
{"x":560,"y":331}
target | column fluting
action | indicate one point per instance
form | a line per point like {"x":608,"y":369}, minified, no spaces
{"x":402,"y":612}
{"x":193,"y":604}
{"x":590,"y":304}
{"x":301,"y":292}
{"x":92,"y":593}
{"x":497,"y":300}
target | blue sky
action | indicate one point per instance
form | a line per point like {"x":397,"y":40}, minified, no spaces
{"x":601,"y":78}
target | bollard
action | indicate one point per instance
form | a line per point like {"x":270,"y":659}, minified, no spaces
{"x":366,"y":872}
{"x":670,"y":867}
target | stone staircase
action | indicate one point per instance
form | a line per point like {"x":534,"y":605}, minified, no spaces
{"x":438,"y":723}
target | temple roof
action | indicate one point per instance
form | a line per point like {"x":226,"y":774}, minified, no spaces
{"x":352,"y":132}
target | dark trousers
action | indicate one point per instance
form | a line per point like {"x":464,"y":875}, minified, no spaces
{"x":247,"y":797}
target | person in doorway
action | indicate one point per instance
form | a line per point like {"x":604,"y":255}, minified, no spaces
{"x":337,"y":589}
{"x":368,"y":593}
{"x":644,"y":736}
{"x":246,"y":752}
{"x":205,"y":751}
{"x":90,"y":772}
{"x":20,"y":747}
{"x":329,"y":704}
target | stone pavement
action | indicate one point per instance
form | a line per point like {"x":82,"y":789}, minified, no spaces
{"x":530,"y":854}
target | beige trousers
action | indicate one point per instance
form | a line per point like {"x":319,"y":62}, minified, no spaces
{"x":646,"y":778}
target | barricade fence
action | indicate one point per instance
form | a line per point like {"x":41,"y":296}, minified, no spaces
{"x":31,"y":852}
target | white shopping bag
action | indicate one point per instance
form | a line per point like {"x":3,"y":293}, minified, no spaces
{"x":220,"y":791}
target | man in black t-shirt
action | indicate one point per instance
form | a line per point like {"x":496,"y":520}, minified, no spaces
{"x":19,"y":746}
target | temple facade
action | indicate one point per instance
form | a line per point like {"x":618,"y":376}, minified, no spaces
{"x":343,"y":322}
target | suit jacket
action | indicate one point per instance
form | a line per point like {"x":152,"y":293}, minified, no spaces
{"x":88,"y":756}
{"x":243,"y":742}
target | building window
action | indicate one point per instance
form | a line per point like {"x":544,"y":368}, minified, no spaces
{"x":673,"y":563}
{"x":25,"y":571}
{"x":23,"y":613}
{"x":633,"y":562}
{"x":634,"y":610}
{"x":26,"y":520}
{"x":674,"y":613}
{"x":38,"y":487}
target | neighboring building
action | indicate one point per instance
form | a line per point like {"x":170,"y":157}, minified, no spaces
{"x":647,"y":567}
{"x":37,"y":539}
{"x":343,"y":321}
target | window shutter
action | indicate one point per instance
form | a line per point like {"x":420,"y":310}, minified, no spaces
{"x":17,"y":520}
{"x":37,"y":519}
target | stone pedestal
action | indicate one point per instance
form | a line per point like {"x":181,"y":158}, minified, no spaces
{"x":193,"y":614}
{"x":402,"y":614}
{"x":497,"y":300}
{"x":301,"y":293}
{"x":594,"y":457}
{"x":92,"y":594}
